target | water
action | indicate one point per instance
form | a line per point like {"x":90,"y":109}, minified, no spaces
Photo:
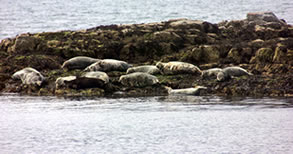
{"x":165,"y":124}
{"x":19,"y":16}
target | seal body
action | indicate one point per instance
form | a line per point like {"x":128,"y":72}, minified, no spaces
{"x":61,"y":81}
{"x":97,"y":75}
{"x":138,"y":79}
{"x":79,"y":62}
{"x":229,"y":72}
{"x":150,"y":69}
{"x":176,"y":67}
{"x":108,"y":65}
{"x":187,"y":91}
{"x":213,"y":72}
{"x":29,"y":76}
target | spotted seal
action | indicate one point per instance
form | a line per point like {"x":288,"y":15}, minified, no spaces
{"x":138,"y":79}
{"x":79,"y":62}
{"x":29,"y":76}
{"x":108,"y":65}
{"x":187,"y":91}
{"x":150,"y":69}
{"x":210,"y":72}
{"x":176,"y":67}
{"x":61,"y":81}
{"x":229,"y":72}
{"x":86,"y":80}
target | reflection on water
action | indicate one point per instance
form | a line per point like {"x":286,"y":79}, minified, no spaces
{"x":164,"y":124}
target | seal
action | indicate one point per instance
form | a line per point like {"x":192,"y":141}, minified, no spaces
{"x":210,"y":72}
{"x":61,"y":81}
{"x":150,"y":69}
{"x":230,"y":72}
{"x":176,"y":67}
{"x":29,"y":76}
{"x":187,"y":91}
{"x":138,"y":79}
{"x":108,"y":65}
{"x":86,"y":80}
{"x":97,"y":75}
{"x":79,"y":62}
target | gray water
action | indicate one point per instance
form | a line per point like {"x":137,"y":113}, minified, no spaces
{"x":22,"y":16}
{"x":164,"y":124}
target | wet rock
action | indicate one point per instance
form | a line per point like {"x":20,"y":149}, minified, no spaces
{"x":263,"y":55}
{"x":24,"y":44}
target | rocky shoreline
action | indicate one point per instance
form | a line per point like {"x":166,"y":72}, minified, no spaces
{"x":261,"y":43}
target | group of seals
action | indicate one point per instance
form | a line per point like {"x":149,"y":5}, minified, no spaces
{"x":29,"y":76}
{"x":94,"y":74}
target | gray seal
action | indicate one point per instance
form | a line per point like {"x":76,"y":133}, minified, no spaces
{"x":79,"y":62}
{"x":230,"y":72}
{"x":61,"y":81}
{"x":138,"y":79}
{"x":86,"y":80}
{"x":210,"y":72}
{"x":29,"y":76}
{"x":187,"y":91}
{"x":176,"y":67}
{"x":108,"y":65}
{"x":150,"y":69}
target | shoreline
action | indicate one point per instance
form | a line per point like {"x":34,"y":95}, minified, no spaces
{"x":261,"y":44}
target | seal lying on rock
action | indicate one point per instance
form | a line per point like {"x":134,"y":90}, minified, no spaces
{"x":150,"y":69}
{"x":61,"y":81}
{"x":86,"y":80}
{"x":79,"y":62}
{"x":176,"y":67}
{"x":138,"y":79}
{"x":187,"y":91}
{"x":210,"y":72}
{"x":97,"y":75}
{"x":29,"y":76}
{"x":108,"y":65}
{"x":229,"y":72}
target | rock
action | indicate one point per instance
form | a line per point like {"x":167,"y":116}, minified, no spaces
{"x":263,"y":55}
{"x":262,"y":17}
{"x":24,"y":44}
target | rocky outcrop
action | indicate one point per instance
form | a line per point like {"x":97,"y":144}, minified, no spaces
{"x":261,"y":43}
